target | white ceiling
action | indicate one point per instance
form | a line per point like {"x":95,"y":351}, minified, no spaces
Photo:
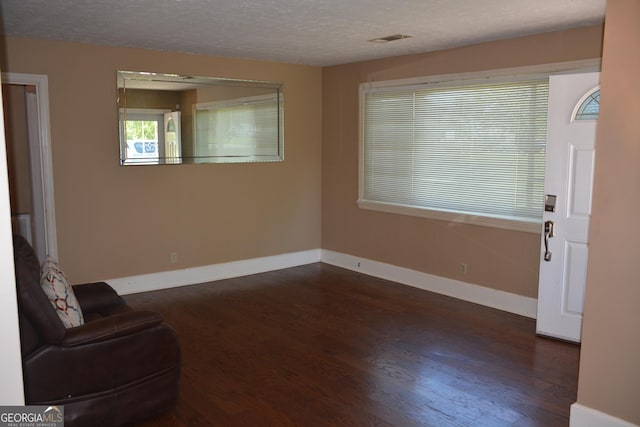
{"x":312,"y":32}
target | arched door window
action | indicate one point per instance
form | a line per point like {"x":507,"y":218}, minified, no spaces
{"x":588,"y":107}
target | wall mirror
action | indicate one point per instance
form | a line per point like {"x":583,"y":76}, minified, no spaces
{"x":174,"y":119}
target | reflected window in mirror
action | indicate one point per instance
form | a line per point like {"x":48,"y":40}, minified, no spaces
{"x":171,"y":119}
{"x":141,"y":131}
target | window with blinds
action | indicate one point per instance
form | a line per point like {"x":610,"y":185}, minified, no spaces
{"x":464,"y":151}
{"x":246,"y":128}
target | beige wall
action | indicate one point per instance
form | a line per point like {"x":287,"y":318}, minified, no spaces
{"x":160,"y":99}
{"x":115,"y":221}
{"x":500,"y":259}
{"x":610,"y":357}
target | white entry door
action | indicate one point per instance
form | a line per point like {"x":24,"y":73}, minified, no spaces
{"x":568,"y":190}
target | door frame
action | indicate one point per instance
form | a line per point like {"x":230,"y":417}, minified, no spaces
{"x":40,"y":155}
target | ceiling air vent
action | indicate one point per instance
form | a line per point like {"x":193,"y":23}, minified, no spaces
{"x":390,"y":38}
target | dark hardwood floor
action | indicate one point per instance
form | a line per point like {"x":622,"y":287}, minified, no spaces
{"x":321,"y":346}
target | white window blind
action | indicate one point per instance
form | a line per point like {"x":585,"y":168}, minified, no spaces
{"x":247,"y":127}
{"x":472,"y":149}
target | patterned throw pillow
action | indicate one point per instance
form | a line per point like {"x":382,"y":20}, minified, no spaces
{"x":60,"y":293}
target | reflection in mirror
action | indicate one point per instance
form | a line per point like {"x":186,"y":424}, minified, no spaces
{"x":171,"y":119}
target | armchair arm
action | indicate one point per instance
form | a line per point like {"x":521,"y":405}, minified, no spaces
{"x":111,"y":327}
{"x":93,"y":297}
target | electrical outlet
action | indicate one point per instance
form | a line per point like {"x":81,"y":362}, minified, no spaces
{"x":462,"y":267}
{"x":174,"y":257}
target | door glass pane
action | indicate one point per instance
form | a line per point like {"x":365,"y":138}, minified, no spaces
{"x":590,"y":107}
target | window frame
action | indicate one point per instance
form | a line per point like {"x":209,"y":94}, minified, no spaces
{"x":502,"y":75}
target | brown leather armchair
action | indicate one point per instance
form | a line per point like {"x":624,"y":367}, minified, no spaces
{"x":121,"y":366}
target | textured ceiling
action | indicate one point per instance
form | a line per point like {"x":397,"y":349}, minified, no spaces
{"x":313,"y":32}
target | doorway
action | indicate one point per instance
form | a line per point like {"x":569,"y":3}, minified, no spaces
{"x":26,"y":100}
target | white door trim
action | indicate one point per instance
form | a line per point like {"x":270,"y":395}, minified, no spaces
{"x":44,"y":177}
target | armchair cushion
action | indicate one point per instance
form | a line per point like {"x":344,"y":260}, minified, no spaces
{"x":111,"y":327}
{"x":60,"y":294}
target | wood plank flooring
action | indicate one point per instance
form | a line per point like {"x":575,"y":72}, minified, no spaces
{"x":321,"y":346}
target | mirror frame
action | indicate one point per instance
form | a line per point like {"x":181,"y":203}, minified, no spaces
{"x":269,"y":96}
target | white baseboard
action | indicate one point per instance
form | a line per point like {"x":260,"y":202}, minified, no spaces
{"x":583,"y":416}
{"x":505,"y":301}
{"x":209,"y":273}
{"x":500,"y":300}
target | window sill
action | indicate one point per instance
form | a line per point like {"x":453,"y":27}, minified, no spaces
{"x":457,"y":217}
